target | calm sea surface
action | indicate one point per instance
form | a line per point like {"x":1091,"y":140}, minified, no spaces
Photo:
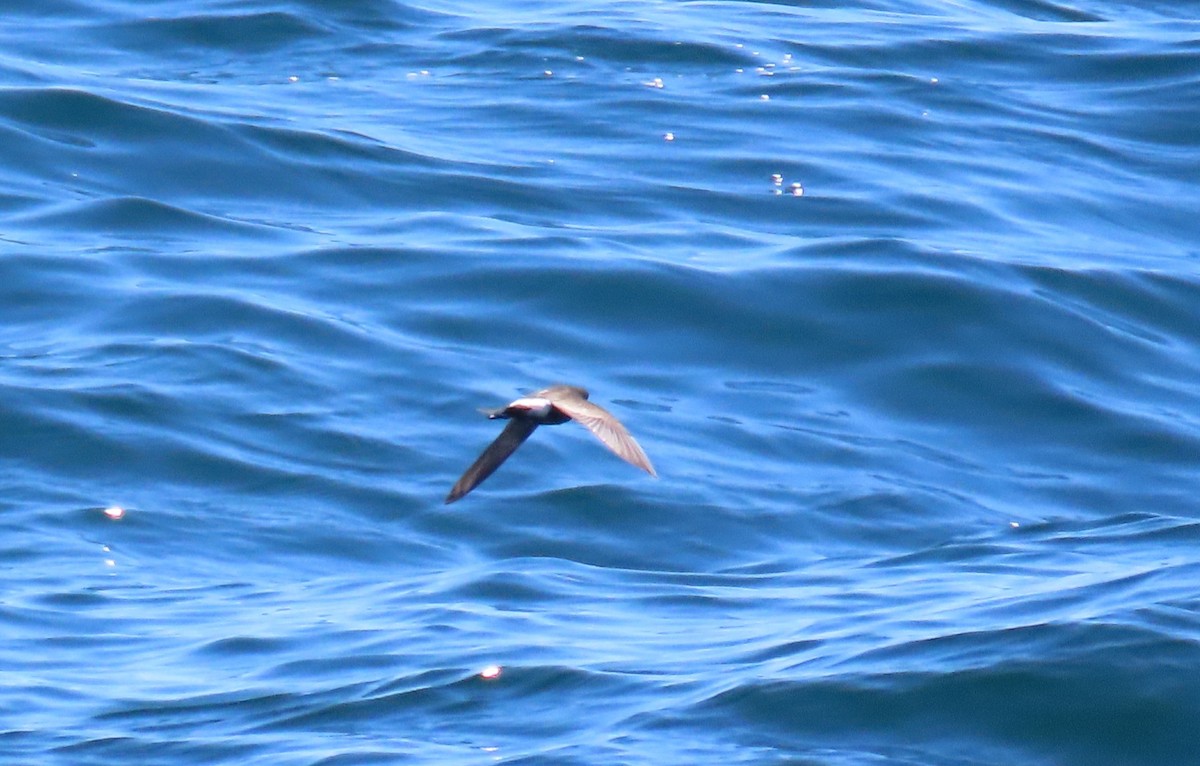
{"x":902,"y":298}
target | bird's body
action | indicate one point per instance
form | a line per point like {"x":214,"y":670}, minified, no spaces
{"x":549,"y":407}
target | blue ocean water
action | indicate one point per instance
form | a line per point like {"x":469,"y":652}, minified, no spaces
{"x":900,"y":297}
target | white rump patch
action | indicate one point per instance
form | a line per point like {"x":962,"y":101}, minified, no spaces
{"x":538,"y":407}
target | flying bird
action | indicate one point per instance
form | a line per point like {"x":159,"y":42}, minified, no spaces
{"x":549,"y":407}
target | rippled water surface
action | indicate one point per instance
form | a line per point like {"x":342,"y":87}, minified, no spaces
{"x":901,"y":298}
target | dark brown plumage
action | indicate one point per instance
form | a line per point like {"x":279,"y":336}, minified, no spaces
{"x":550,"y":406}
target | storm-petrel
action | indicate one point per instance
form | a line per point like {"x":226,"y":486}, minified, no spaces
{"x":549,"y":407}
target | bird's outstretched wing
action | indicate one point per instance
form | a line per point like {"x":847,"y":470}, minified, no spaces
{"x":516,"y":432}
{"x":606,"y":427}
